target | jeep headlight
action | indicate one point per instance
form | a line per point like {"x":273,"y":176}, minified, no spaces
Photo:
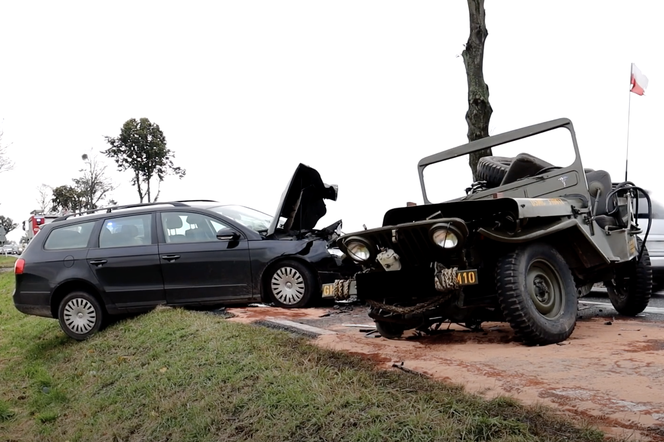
{"x":358,"y":249}
{"x":445,"y":236}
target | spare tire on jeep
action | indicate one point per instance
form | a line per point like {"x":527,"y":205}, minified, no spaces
{"x":493,"y":169}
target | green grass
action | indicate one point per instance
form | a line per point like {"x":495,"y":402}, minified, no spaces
{"x":178,"y":375}
{"x":7,"y":262}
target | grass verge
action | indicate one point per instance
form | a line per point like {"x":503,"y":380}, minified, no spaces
{"x":7,"y":262}
{"x":178,"y":375}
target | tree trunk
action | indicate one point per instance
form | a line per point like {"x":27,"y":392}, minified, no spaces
{"x":138,"y":187}
{"x":479,"y":109}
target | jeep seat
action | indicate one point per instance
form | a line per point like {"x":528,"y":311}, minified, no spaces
{"x":523,"y":166}
{"x":599,"y":186}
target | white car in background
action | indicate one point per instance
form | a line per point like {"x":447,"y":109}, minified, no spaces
{"x":655,"y":239}
{"x":9,"y":248}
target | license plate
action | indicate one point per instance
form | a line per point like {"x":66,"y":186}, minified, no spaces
{"x":328,"y":289}
{"x":467,"y":277}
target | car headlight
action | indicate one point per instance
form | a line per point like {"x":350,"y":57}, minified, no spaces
{"x":445,"y":236}
{"x":358,"y":249}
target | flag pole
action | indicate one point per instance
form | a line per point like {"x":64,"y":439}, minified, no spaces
{"x":629,"y":110}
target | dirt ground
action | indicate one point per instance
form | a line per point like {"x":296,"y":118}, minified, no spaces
{"x":610,"y":372}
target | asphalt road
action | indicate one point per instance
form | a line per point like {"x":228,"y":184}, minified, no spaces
{"x":597,"y":303}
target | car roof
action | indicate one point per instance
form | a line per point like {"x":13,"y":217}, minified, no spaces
{"x":129,"y":209}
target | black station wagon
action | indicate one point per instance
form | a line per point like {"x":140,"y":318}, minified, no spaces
{"x":83,"y":268}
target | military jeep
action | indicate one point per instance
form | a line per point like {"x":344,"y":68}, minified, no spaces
{"x":531,"y":234}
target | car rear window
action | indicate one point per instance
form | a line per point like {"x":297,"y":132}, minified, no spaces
{"x":69,"y":237}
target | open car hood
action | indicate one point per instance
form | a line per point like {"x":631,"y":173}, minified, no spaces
{"x":302,"y":202}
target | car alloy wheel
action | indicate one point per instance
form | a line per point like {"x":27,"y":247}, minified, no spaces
{"x":80,"y":315}
{"x":288,"y":285}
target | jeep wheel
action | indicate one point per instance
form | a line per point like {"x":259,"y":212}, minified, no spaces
{"x":290,"y":284}
{"x":537,"y":295}
{"x":80,"y":315}
{"x":631,"y":289}
{"x":493,"y":169}
{"x":389,"y":330}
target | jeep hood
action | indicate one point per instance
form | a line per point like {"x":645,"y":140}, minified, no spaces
{"x":302,"y":203}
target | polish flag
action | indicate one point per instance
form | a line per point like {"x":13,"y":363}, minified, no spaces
{"x":638,"y":80}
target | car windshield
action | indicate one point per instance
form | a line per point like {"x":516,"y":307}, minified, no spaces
{"x":253,"y":219}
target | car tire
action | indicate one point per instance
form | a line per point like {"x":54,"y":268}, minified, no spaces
{"x":632,"y":288}
{"x":291,"y":284}
{"x":389,"y":330}
{"x":537,"y":294}
{"x":80,"y":315}
{"x":493,"y":169}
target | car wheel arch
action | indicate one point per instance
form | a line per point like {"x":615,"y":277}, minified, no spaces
{"x":70,"y":286}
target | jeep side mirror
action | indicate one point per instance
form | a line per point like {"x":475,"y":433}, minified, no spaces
{"x":227,"y":234}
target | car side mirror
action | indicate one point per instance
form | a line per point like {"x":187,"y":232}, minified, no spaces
{"x":227,"y":234}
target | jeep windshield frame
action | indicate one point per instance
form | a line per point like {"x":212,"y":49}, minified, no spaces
{"x":500,"y":139}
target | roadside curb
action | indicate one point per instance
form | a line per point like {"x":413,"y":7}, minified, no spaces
{"x":296,"y":327}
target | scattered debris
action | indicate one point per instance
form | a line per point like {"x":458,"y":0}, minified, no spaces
{"x":222,"y":312}
{"x":608,"y":323}
{"x":409,"y":370}
{"x":259,"y":304}
{"x":359,"y":325}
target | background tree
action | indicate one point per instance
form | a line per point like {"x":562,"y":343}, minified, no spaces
{"x":7,"y":223}
{"x":141,"y":148}
{"x":93,"y":185}
{"x":86,"y":192}
{"x":67,"y":199}
{"x":479,"y":109}
{"x":45,"y":194}
{"x":5,"y":163}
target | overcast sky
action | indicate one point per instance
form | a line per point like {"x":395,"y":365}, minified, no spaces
{"x":360,"y":90}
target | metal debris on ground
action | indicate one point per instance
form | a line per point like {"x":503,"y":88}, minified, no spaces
{"x":222,"y":312}
{"x":408,"y":370}
{"x":342,"y":308}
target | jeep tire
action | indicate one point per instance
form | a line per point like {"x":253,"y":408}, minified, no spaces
{"x":537,"y":294}
{"x":631,"y":289}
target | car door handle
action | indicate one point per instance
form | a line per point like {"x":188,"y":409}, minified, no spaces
{"x":98,"y":262}
{"x":170,"y":257}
